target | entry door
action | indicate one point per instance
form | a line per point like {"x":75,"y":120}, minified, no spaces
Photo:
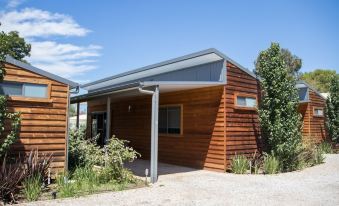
{"x":99,"y":127}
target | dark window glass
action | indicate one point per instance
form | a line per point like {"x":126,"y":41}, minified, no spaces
{"x":23,"y":89}
{"x":170,"y":120}
{"x":13,"y":89}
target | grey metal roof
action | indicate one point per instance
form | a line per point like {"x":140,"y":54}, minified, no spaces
{"x":171,"y":61}
{"x":31,"y":68}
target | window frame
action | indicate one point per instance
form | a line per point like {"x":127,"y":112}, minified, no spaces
{"x":181,"y":120}
{"x":316,"y":115}
{"x":246,"y":95}
{"x":46,"y":99}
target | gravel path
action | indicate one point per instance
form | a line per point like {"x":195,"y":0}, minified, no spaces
{"x":318,"y":185}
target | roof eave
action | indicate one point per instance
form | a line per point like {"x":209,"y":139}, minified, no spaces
{"x":41,"y":72}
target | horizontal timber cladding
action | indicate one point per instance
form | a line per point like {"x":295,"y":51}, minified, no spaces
{"x":43,"y":123}
{"x":314,"y":126}
{"x":201,"y":144}
{"x":242,"y":125}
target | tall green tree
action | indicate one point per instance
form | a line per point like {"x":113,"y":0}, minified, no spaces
{"x":332,"y":110}
{"x":293,"y":63}
{"x":320,"y":78}
{"x":278,"y":111}
{"x":10,"y":44}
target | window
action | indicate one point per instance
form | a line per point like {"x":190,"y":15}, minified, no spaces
{"x":245,"y":101}
{"x":318,"y":111}
{"x":24,"y":89}
{"x":170,"y":120}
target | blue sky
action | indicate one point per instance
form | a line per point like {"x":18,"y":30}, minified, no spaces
{"x":95,"y":39}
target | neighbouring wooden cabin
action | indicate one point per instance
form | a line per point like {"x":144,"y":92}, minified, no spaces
{"x":197,"y":110}
{"x":42,"y":99}
{"x":312,"y":107}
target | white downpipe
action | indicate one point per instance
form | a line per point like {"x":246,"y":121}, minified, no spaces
{"x":154,"y":131}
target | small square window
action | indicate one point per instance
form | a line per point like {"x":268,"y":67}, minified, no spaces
{"x":246,"y":101}
{"x":170,"y":120}
{"x":318,"y":112}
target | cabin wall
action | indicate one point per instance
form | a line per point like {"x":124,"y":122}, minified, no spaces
{"x":242,"y":125}
{"x":201,"y":144}
{"x":43,"y":124}
{"x":314,"y":126}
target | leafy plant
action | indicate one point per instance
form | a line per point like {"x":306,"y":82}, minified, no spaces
{"x":318,"y":157}
{"x":320,"y":78}
{"x":38,"y":165}
{"x":271,"y":164}
{"x":32,"y":187}
{"x":11,"y":44}
{"x":239,"y":164}
{"x":11,"y":175}
{"x":332,"y":110}
{"x":66,"y":188}
{"x":86,"y":153}
{"x":256,"y":163}
{"x":82,"y":151}
{"x":326,"y":148}
{"x":278,"y":111}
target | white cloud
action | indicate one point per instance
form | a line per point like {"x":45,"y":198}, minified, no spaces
{"x":38,"y":26}
{"x":31,"y":22}
{"x":14,"y":3}
{"x":67,"y":60}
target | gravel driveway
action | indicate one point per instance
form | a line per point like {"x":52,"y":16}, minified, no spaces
{"x":318,"y":185}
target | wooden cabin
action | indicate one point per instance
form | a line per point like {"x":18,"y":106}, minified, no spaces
{"x":312,"y":108}
{"x":197,"y":110}
{"x":42,"y":99}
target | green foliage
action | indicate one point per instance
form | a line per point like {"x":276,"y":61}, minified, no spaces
{"x":32,"y":187}
{"x":332,"y":110}
{"x":271,"y":164}
{"x":318,"y":156}
{"x":25,"y":169}
{"x":66,"y":188}
{"x":10,"y":44}
{"x":292,"y":62}
{"x":239,"y":164}
{"x":85,"y":153}
{"x":278,"y":111}
{"x":14,"y":45}
{"x":320,"y":79}
{"x":82,"y":151}
{"x":326,"y":148}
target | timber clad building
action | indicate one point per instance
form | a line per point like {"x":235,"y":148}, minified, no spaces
{"x":197,"y":110}
{"x":42,"y":99}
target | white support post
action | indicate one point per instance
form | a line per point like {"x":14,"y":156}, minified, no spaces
{"x":108,"y":119}
{"x":154,"y":137}
{"x":154,"y":131}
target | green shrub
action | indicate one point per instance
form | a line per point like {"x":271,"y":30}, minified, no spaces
{"x":271,"y":164}
{"x":332,"y":110}
{"x":86,"y":153}
{"x":66,"y":188}
{"x":86,"y":179}
{"x":32,"y":187}
{"x":326,"y":148}
{"x":318,"y":157}
{"x":83,"y":152}
{"x":239,"y":164}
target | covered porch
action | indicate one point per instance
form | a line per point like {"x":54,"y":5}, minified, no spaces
{"x":156,"y":101}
